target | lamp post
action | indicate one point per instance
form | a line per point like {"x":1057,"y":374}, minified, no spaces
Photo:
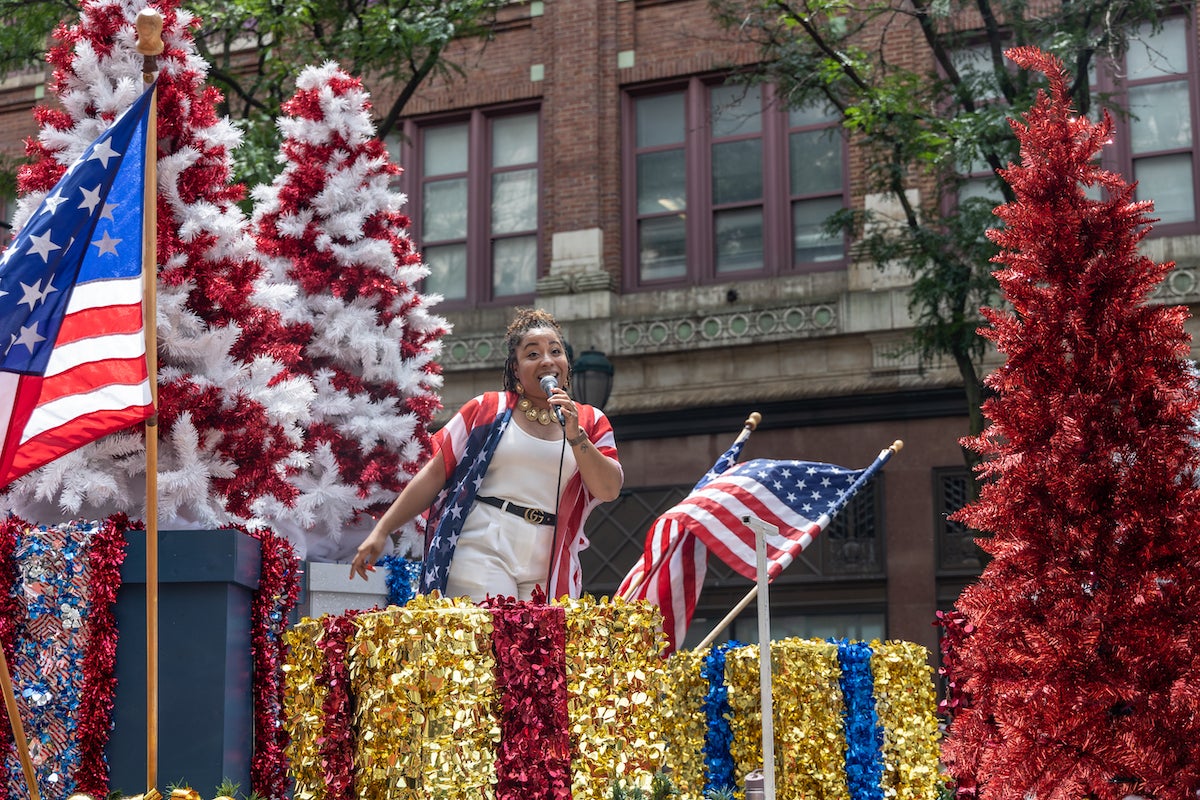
{"x":592,"y":378}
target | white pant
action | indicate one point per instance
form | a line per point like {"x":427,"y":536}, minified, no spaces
{"x":499,"y":554}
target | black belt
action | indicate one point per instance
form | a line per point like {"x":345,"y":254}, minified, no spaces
{"x":532,"y":515}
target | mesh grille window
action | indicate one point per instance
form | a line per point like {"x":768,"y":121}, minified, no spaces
{"x":957,"y":552}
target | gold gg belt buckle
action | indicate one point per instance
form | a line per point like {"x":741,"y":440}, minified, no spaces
{"x":535,"y":516}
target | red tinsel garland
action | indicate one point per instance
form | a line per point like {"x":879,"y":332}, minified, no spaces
{"x":337,"y":746}
{"x":278,"y":588}
{"x":533,"y":757}
{"x":106,"y":553}
{"x":956,"y":629}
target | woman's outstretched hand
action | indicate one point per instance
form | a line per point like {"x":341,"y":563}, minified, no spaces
{"x":366,"y":557}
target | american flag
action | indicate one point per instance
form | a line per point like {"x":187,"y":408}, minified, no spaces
{"x":800,"y":498}
{"x":73,"y":367}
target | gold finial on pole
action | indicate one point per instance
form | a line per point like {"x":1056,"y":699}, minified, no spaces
{"x":149,"y":40}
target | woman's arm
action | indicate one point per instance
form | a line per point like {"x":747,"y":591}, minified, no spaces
{"x":417,"y":496}
{"x":601,"y":475}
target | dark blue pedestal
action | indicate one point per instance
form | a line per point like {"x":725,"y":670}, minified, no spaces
{"x":206,"y":580}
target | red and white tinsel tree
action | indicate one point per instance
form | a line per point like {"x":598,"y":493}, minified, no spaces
{"x":341,"y":274}
{"x":229,"y":428}
{"x":1079,"y":672}
{"x":252,"y":433}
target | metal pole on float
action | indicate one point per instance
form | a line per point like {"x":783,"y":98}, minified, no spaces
{"x":149,"y":45}
{"x":761,"y":531}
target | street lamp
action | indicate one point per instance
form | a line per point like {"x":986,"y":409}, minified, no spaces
{"x":592,"y":378}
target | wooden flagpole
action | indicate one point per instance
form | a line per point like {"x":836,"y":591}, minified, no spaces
{"x":748,"y":428}
{"x":884,"y":455}
{"x":150,"y":44}
{"x":18,"y":730}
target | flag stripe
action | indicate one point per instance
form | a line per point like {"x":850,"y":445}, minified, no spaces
{"x":82,"y":382}
{"x":67,"y":357}
{"x":52,"y":444}
{"x":53,"y":415}
{"x":106,"y":293}
{"x":95,"y":322}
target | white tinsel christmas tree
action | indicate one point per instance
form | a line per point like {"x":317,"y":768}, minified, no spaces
{"x":252,"y":432}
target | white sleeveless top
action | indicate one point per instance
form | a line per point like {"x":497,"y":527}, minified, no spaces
{"x":524,"y":467}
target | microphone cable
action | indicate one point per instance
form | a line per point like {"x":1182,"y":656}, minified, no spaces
{"x":562,"y":457}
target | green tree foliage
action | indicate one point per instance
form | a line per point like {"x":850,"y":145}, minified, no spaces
{"x":257,"y":47}
{"x":923,"y":88}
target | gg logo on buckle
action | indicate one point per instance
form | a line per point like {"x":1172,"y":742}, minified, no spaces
{"x":535,"y":516}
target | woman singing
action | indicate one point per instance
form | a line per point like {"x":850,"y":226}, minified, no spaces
{"x":508,"y":487}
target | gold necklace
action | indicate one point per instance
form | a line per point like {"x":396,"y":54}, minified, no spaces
{"x":533,"y":413}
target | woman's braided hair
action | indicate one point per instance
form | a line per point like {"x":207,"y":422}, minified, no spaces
{"x":526,"y":319}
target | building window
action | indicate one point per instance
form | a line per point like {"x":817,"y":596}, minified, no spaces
{"x":1155,"y":141}
{"x":723,"y":183}
{"x":977,"y":180}
{"x":816,"y":158}
{"x":957,"y":553}
{"x":475,"y":205}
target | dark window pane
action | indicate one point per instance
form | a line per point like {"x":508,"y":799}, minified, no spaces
{"x":1162,"y":117}
{"x":514,"y":266}
{"x":739,"y":239}
{"x":1168,"y":181}
{"x":660,"y":119}
{"x":811,"y":241}
{"x":514,"y":140}
{"x":444,"y":210}
{"x":447,"y":271}
{"x":662,"y":248}
{"x":661,"y":182}
{"x":445,"y":149}
{"x":1155,"y":54}
{"x":514,"y":201}
{"x":736,"y":110}
{"x":816,"y":162}
{"x":737,"y":171}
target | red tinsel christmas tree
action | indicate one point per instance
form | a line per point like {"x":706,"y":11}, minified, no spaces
{"x":1080,"y":674}
{"x":341,"y":276}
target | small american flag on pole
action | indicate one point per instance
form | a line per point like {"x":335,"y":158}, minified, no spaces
{"x":798,"y":497}
{"x":72,"y":338}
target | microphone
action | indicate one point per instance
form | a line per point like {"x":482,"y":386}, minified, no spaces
{"x":549,"y":383}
